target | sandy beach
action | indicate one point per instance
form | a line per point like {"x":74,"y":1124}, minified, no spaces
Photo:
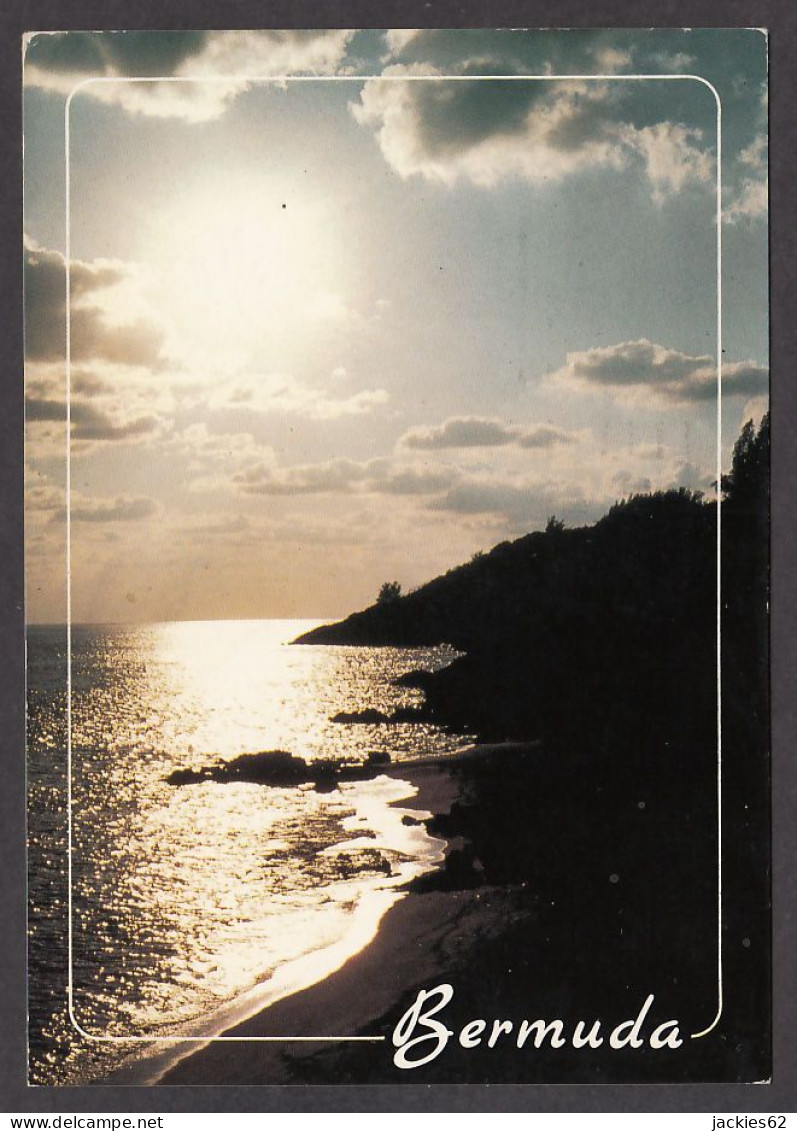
{"x":522,"y":923}
{"x":409,"y":949}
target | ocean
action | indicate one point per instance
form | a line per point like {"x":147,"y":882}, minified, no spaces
{"x":189,"y":899}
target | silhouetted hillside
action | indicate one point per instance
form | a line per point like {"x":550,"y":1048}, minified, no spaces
{"x":602,"y":642}
{"x":476,"y":603}
{"x":564,"y":629}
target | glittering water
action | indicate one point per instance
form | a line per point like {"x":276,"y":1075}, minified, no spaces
{"x":185,"y":897}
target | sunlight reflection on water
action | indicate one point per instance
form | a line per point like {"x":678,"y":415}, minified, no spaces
{"x":185,"y":897}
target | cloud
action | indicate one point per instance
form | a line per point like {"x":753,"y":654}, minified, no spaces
{"x":282,"y":393}
{"x":414,"y":481}
{"x":43,"y":497}
{"x":399,"y":38}
{"x":672,"y":155}
{"x":642,"y":368}
{"x":337,"y":475}
{"x":677,"y":62}
{"x":750,"y":198}
{"x":481,"y":432}
{"x":545,"y":436}
{"x":527,"y":502}
{"x":578,"y":490}
{"x":121,"y":509}
{"x":460,"y":432}
{"x":755,"y":409}
{"x":626,"y":483}
{"x":88,"y":421}
{"x":59,"y":61}
{"x":96,"y":335}
{"x":611,"y":60}
{"x":344,"y":476}
{"x":540,"y":131}
{"x":89,"y":384}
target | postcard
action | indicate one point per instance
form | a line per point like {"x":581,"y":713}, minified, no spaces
{"x":397,"y":445}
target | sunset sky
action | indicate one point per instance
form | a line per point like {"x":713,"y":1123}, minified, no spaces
{"x":330,"y":333}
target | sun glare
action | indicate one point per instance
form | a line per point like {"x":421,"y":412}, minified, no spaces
{"x":243,"y":265}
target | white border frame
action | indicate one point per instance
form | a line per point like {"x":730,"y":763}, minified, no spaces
{"x":283,"y":79}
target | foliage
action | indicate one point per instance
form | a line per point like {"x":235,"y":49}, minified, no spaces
{"x":747,"y":485}
{"x":388,"y":593}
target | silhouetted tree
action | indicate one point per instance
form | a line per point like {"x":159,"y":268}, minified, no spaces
{"x":389,"y":592}
{"x":747,"y":484}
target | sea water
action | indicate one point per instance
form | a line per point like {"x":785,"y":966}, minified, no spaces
{"x":184,"y":898}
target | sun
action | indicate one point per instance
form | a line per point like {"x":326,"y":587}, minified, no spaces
{"x":241,"y":265}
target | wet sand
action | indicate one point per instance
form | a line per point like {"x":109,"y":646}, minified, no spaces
{"x":405,"y":951}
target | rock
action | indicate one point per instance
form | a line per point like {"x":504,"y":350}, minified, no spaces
{"x":369,"y":716}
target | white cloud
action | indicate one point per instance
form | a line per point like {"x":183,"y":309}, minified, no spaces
{"x":754,"y":410}
{"x":678,"y":62}
{"x":672,"y":155}
{"x":610,"y":60}
{"x":750,"y":198}
{"x":399,"y":38}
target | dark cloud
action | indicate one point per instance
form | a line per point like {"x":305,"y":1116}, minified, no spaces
{"x":62,"y":61}
{"x":461,"y":432}
{"x":524,"y":504}
{"x":481,"y":432}
{"x":122,"y":510}
{"x":545,"y":436}
{"x":343,"y":476}
{"x":133,"y":54}
{"x":128,"y":53}
{"x":536,"y":129}
{"x":627,"y":483}
{"x":414,"y":482}
{"x":739,"y":379}
{"x":452,"y":117}
{"x":310,"y":479}
{"x":534,"y":52}
{"x":39,"y":409}
{"x":88,"y":421}
{"x":540,"y":129}
{"x":93,"y":338}
{"x":672,"y":376}
{"x":89,"y":384}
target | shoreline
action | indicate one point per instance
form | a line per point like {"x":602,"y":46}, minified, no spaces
{"x":416,"y":941}
{"x":500,"y":920}
{"x":237,"y":1022}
